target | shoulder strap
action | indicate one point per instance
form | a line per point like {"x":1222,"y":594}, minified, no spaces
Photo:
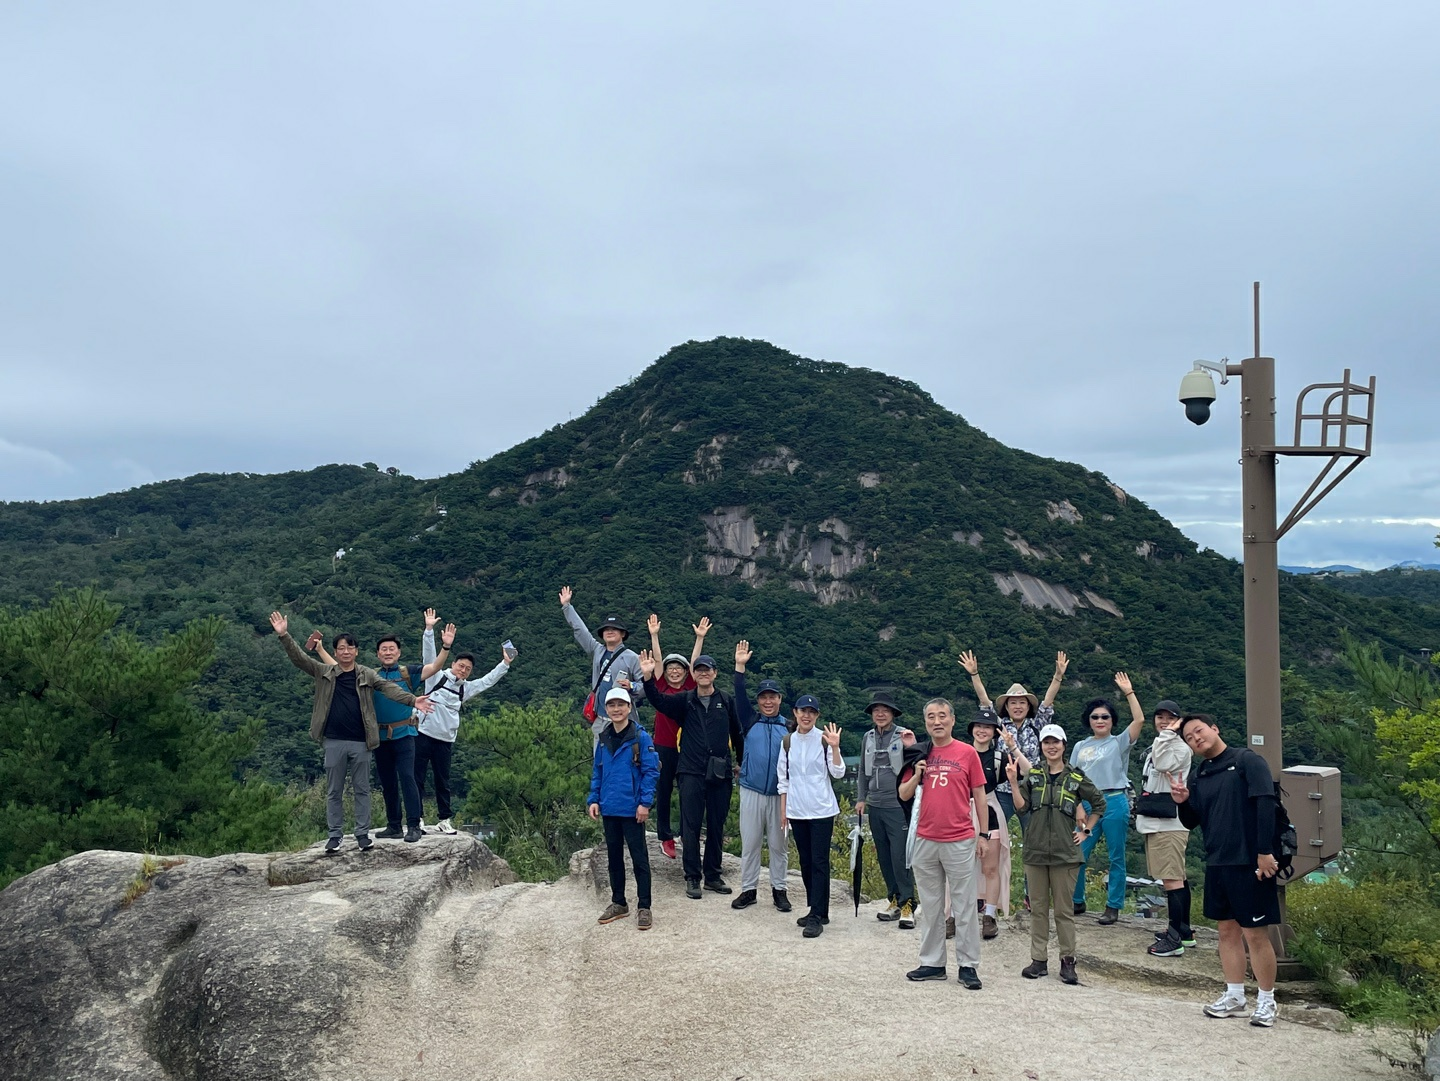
{"x":613,"y":658}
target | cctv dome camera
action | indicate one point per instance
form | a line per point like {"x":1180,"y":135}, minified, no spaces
{"x":1197,"y":391}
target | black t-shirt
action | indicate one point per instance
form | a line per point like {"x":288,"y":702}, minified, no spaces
{"x":1223,"y":793}
{"x":994,"y":774}
{"x":343,"y":721}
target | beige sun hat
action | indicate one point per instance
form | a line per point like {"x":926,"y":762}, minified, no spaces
{"x":1016,"y":691}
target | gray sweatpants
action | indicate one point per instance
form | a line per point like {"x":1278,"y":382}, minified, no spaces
{"x":937,"y":864}
{"x":347,"y":758}
{"x":760,"y":821}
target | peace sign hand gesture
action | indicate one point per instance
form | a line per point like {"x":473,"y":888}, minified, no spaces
{"x":1179,"y":788}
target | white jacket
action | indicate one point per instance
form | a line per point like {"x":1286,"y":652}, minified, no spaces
{"x":448,"y":694}
{"x":803,"y":777}
{"x":1168,"y":754}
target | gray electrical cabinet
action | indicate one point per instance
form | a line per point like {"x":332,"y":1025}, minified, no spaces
{"x":1312,"y":796}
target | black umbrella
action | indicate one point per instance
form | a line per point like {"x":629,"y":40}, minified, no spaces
{"x":857,"y":865}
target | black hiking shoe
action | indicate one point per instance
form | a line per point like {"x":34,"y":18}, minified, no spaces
{"x":717,"y":885}
{"x":927,"y":972}
{"x":332,"y":846}
{"x":969,"y":979}
{"x":813,"y":927}
{"x":781,"y":899}
{"x":692,"y":888}
{"x":1109,"y":916}
{"x":390,"y":833}
{"x":1067,"y":971}
{"x":1080,"y":908}
{"x":745,"y":900}
{"x":365,"y":843}
{"x":413,"y":834}
{"x":810,"y":916}
{"x":1035,"y":969}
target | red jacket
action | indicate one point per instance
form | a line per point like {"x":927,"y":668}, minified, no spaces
{"x":667,"y":731}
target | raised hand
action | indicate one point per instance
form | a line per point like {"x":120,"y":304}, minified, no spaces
{"x":313,"y":642}
{"x":1179,"y":787}
{"x":969,"y":663}
{"x":907,"y":738}
{"x":702,"y":628}
{"x":743,"y":654}
{"x":447,"y":636}
{"x":280,"y":624}
{"x":1012,"y":771}
{"x":831,"y":735}
{"x":653,"y":624}
{"x":1123,"y":682}
{"x":431,"y":619}
{"x":647,"y":664}
{"x":565,"y":594}
{"x":1062,"y":662}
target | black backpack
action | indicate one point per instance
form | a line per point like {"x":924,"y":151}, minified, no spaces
{"x":1286,"y":841}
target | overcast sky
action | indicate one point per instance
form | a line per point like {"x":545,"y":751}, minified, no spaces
{"x":267,"y":237}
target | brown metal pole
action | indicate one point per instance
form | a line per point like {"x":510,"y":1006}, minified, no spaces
{"x":1262,"y":570}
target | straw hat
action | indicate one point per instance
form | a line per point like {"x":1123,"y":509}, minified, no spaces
{"x":1016,"y":691}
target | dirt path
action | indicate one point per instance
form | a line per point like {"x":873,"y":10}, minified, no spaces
{"x":521,"y":983}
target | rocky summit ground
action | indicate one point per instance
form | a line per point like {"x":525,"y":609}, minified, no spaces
{"x":427,"y":961}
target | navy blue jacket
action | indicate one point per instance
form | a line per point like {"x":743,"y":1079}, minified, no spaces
{"x":618,"y":782}
{"x":759,"y":770}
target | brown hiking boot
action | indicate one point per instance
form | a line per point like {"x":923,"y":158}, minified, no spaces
{"x":614,"y":912}
{"x":1067,"y":970}
{"x":949,"y":926}
{"x":988,"y":927}
{"x":644,"y":921}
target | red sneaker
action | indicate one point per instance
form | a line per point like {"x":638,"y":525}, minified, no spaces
{"x":668,"y":847}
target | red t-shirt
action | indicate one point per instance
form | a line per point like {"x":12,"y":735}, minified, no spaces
{"x":667,"y":732}
{"x":950,"y":773}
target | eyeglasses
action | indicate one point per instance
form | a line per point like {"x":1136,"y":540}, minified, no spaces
{"x":1100,"y":717}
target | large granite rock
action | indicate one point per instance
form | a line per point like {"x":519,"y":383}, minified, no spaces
{"x":237,"y":967}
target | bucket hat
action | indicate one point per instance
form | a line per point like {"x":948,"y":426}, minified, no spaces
{"x":616,"y":623}
{"x":884,"y":698}
{"x":1016,"y":691}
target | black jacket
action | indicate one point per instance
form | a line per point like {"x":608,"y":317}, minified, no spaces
{"x":703,"y":733}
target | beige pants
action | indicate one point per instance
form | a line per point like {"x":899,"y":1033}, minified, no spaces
{"x":1047,"y":885}
{"x":938,"y":865}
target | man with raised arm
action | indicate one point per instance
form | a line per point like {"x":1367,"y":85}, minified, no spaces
{"x":611,"y":663}
{"x":395,"y":756}
{"x":948,"y":786}
{"x":710,"y":729}
{"x":342,"y":720}
{"x":761,"y":816}
{"x":449,"y":690}
{"x":676,"y":670}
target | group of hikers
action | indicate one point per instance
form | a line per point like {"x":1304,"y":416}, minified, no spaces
{"x":940,"y":808}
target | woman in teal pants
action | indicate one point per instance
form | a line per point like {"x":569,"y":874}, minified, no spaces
{"x":1105,"y":759}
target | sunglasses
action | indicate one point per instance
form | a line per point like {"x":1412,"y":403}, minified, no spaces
{"x":1100,"y":717}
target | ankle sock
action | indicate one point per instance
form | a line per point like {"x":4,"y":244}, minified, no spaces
{"x":1235,"y":990}
{"x":1267,"y":996}
{"x":990,"y":911}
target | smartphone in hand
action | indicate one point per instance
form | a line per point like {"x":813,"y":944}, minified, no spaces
{"x":508,"y":648}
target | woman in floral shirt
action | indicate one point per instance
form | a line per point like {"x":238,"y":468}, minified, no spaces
{"x":1024,"y":716}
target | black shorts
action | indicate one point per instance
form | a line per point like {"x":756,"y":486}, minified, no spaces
{"x":1234,"y":893}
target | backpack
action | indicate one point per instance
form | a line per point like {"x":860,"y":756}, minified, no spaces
{"x":1286,"y":841}
{"x":458,"y":689}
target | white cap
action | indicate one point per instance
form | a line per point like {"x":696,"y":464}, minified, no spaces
{"x":1053,"y":731}
{"x":620,"y":692}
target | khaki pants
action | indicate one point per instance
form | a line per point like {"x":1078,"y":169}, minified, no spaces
{"x":1051,"y":884}
{"x":936,"y":865}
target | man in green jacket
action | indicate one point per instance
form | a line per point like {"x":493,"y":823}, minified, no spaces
{"x":343,"y":721}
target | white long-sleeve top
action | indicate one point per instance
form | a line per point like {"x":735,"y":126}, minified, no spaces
{"x":445,"y":691}
{"x":803,"y":774}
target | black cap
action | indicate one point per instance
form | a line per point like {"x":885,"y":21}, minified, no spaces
{"x":883,"y":698}
{"x":615,"y":623}
{"x":1167,"y":705}
{"x":985,"y":715}
{"x":767,"y":685}
{"x":704,"y":661}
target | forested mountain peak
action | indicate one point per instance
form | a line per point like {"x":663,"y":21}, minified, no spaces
{"x":855,"y":531}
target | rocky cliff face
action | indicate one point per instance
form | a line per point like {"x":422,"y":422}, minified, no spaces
{"x":237,"y":967}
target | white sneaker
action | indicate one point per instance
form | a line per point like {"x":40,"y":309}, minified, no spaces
{"x":443,"y":826}
{"x":1227,"y":1006}
{"x":1264,"y":1015}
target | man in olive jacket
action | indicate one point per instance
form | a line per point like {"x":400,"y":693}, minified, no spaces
{"x":343,"y":721}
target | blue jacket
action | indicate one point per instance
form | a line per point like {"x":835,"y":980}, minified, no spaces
{"x":619,"y":782}
{"x":763,"y":738}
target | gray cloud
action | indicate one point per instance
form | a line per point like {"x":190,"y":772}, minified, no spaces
{"x":1042,"y":215}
